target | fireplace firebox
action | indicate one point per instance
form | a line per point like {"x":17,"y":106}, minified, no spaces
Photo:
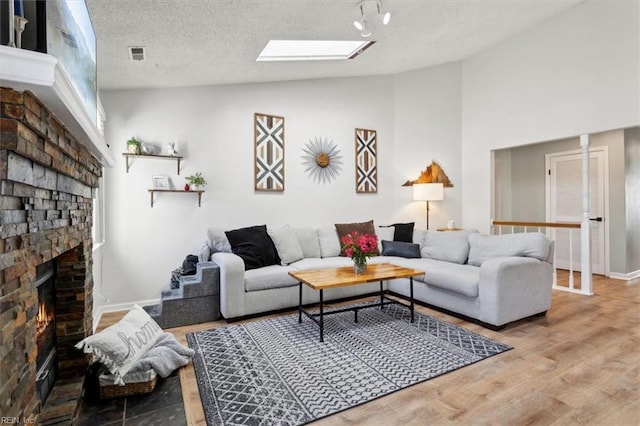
{"x":46,"y":360}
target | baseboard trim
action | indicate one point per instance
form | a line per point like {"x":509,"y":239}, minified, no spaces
{"x":118,"y":307}
{"x":625,"y":277}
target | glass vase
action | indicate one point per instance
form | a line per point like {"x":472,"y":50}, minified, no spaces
{"x":359,"y":265}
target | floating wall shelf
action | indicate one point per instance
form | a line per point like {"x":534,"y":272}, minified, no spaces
{"x":177,"y":191}
{"x":161,"y":157}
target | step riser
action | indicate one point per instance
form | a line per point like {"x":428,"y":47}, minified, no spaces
{"x":176,"y":313}
{"x":196,"y":301}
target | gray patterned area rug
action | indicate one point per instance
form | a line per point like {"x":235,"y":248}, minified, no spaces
{"x":275,"y":371}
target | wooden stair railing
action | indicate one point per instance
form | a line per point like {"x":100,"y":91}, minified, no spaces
{"x":517,"y":226}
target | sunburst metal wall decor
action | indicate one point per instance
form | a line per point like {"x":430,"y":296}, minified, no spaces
{"x":322,"y":160}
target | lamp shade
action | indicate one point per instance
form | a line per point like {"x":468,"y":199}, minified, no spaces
{"x":428,"y":191}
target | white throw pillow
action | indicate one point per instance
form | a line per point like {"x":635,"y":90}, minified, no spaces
{"x":286,"y":244}
{"x":204,"y":253}
{"x":120,"y":346}
{"x":308,"y":240}
{"x":329,"y":242}
{"x":218,"y":241}
{"x":384,"y":233}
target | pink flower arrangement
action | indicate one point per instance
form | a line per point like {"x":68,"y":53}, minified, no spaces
{"x":360,"y":246}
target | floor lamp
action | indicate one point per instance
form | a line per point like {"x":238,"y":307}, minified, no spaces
{"x":428,"y":192}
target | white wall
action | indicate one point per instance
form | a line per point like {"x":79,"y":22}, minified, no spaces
{"x":573,"y":74}
{"x":428,"y":128}
{"x":632,"y":200}
{"x":416,"y":115}
{"x":213,"y":127}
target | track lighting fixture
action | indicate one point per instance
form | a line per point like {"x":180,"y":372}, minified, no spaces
{"x":365,"y":30}
{"x":361,"y":25}
{"x":386,"y":17}
{"x":369,"y":9}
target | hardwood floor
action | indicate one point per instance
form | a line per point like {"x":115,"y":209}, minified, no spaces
{"x":578,"y":365}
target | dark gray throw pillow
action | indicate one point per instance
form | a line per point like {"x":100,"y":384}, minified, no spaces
{"x":400,"y":249}
{"x":254,"y":246}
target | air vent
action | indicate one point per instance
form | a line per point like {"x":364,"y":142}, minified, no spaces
{"x":136,"y":53}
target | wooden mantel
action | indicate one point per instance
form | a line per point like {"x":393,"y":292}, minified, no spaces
{"x":40,"y":74}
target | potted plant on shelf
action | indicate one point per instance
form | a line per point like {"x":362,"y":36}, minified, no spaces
{"x":195,"y":181}
{"x":133,"y":146}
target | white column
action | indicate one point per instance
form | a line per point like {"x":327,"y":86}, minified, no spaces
{"x":586,"y":283}
{"x":12,"y":31}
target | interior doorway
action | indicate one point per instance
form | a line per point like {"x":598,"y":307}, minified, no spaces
{"x":564,"y":204}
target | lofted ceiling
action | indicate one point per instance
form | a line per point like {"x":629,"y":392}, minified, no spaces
{"x":210,"y":42}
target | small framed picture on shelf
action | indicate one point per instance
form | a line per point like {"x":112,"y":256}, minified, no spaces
{"x":161,"y":182}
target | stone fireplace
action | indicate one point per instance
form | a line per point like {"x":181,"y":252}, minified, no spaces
{"x":47,"y":179}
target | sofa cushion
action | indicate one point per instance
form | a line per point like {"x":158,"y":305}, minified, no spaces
{"x":447,"y":246}
{"x":421,"y":264}
{"x":254,"y":246}
{"x":418,"y":237}
{"x":204,"y":253}
{"x":274,"y":276}
{"x":461,"y":279}
{"x":383,"y":233}
{"x":329,"y":242}
{"x":530,"y":244}
{"x":308,"y":240}
{"x":218,"y":241}
{"x":324,"y":263}
{"x":400,"y":249}
{"x":286,"y":243}
{"x":362,"y":228}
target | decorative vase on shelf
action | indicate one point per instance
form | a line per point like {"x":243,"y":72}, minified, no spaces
{"x":186,"y":187}
{"x":133,"y":145}
{"x":149,"y":149}
{"x":360,"y":265}
{"x":196,"y":181}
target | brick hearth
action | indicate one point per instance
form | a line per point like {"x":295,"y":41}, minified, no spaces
{"x":46,"y":183}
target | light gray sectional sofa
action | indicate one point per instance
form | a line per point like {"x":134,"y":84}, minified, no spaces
{"x":492,"y":279}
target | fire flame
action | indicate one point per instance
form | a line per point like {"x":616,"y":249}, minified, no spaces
{"x":43,"y":319}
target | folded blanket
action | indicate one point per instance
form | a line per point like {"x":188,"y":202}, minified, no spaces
{"x":165,"y":356}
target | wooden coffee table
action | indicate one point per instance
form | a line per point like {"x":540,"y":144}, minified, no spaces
{"x":324,"y":279}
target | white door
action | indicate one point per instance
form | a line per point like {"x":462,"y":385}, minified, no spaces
{"x":564,"y":204}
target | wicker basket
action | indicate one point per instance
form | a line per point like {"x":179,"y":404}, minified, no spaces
{"x":108,"y":391}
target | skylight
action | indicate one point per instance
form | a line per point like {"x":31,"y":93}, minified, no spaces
{"x":312,"y":50}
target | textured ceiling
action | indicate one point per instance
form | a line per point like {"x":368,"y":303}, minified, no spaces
{"x":205,"y":42}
